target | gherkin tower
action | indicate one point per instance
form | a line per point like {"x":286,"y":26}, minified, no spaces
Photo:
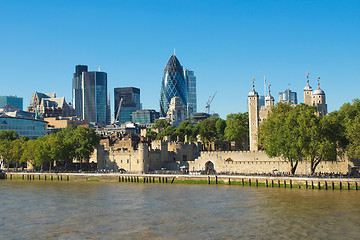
{"x":173,"y":84}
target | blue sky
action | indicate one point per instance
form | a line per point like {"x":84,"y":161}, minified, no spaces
{"x":226,"y":43}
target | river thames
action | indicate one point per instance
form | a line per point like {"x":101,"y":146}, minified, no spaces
{"x":94,"y":210}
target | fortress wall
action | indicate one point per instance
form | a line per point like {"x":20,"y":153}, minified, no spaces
{"x":259,"y":162}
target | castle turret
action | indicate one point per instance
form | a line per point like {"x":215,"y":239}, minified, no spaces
{"x":253,"y":101}
{"x":269,"y":100}
{"x":308,"y":92}
{"x":318,"y":100}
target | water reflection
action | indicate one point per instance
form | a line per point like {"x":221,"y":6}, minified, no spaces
{"x":69,"y":210}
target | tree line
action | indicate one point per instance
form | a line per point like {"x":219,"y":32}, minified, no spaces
{"x":234,"y":128}
{"x":298,"y":133}
{"x":60,"y":148}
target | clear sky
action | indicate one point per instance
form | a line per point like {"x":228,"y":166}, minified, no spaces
{"x":226,"y":44}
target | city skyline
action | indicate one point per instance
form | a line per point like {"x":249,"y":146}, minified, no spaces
{"x":225,"y":44}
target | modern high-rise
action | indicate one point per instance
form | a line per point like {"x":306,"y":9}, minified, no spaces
{"x":191,"y":88}
{"x":288,"y":96}
{"x":173,"y":85}
{"x":77,"y":89}
{"x":90,"y":95}
{"x":94,"y":97}
{"x":130,"y":103}
{"x":145,"y":116}
{"x":14,"y":101}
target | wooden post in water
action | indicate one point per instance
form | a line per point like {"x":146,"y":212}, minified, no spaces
{"x":58,"y":177}
{"x":137,"y":179}
{"x":243,"y":183}
{"x":45,"y":177}
{"x":356,"y":186}
{"x":166,"y":179}
{"x":312,"y":184}
{"x":153,"y":179}
{"x":340,"y":185}
{"x":278,"y":183}
{"x":67,"y":178}
{"x":230,"y":182}
{"x":39,"y":177}
{"x":272,"y":182}
{"x":266,"y":183}
{"x":172,"y":180}
{"x":23,"y":177}
{"x":10,"y":176}
{"x":326,"y":185}
{"x":119,"y":179}
{"x":284,"y":183}
{"x":216,"y":179}
{"x":306,"y":184}
{"x":333,"y":185}
{"x":290,"y":183}
{"x":249,"y":181}
{"x":61,"y":178}
{"x":319,"y":186}
{"x":257,"y":182}
{"x":348,"y":185}
{"x":208,"y":179}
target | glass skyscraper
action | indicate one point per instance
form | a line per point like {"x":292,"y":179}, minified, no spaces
{"x":173,"y":85}
{"x":288,"y":96}
{"x":94,"y":97}
{"x":130,"y":103}
{"x":14,"y":101}
{"x":77,"y":89}
{"x":191,"y":87}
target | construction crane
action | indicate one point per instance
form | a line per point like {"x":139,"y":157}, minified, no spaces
{"x":116,"y":120}
{"x":209,"y":103}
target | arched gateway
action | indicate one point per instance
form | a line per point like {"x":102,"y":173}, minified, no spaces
{"x":209,"y":167}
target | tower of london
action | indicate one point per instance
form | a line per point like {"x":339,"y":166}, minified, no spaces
{"x":258,"y":113}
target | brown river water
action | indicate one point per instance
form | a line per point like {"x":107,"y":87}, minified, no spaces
{"x":95,"y":210}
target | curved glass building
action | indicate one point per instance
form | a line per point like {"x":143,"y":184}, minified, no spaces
{"x":173,"y":85}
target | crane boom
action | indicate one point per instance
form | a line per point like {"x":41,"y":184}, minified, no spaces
{"x":209,"y":102}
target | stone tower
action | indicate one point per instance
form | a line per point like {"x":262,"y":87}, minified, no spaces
{"x":308,"y":92}
{"x":318,"y":100}
{"x":269,"y":100}
{"x":253,"y":101}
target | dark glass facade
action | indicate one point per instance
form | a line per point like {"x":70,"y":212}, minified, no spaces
{"x":130,"y":103}
{"x":12,"y":100}
{"x":145,"y":116}
{"x":77,"y":89}
{"x":173,"y":85}
{"x":94,"y":93}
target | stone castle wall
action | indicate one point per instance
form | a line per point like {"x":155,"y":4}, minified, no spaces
{"x":259,"y":162}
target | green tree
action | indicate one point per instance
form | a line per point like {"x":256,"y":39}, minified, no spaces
{"x":86,"y":139}
{"x":279,"y":135}
{"x":349,"y":115}
{"x":161,"y":124}
{"x":220,"y":128}
{"x":9,"y":135}
{"x":207,"y":130}
{"x":237,"y":128}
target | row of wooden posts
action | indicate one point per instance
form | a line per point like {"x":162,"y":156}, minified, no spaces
{"x":38,"y":177}
{"x":268,"y":183}
{"x":308,"y":184}
{"x":146,"y":179}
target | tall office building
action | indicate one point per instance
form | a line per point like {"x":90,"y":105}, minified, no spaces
{"x":288,"y":96}
{"x":14,"y":101}
{"x":173,"y":85}
{"x":191,"y":88}
{"x":145,"y":116}
{"x":130,"y":103}
{"x":90,"y":95}
{"x":94,"y":97}
{"x":77,"y":89}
